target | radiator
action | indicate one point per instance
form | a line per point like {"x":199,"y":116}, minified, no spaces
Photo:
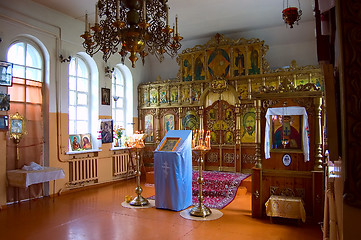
{"x":83,"y":170}
{"x":120,"y":164}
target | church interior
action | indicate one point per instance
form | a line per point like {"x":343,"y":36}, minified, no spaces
{"x":119,"y":118}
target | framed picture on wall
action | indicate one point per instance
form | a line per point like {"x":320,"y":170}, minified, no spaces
{"x":286,"y":132}
{"x":105,"y":96}
{"x":6,"y":74}
{"x":4,"y":122}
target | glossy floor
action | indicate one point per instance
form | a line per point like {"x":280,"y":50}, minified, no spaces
{"x":97,"y":213}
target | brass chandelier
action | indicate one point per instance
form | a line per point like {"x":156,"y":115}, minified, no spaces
{"x":137,"y":27}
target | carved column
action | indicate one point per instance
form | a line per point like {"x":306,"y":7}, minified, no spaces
{"x":180,"y":120}
{"x":157,"y":127}
{"x":258,"y":134}
{"x":318,"y":134}
{"x":238,"y":124}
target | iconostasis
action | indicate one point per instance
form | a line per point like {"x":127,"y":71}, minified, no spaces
{"x":220,"y":88}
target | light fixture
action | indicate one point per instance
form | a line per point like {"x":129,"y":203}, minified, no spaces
{"x":291,"y":13}
{"x":137,"y":27}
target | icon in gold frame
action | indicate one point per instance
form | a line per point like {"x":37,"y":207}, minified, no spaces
{"x":169,"y":144}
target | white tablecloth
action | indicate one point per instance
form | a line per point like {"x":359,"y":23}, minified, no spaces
{"x":23,"y":178}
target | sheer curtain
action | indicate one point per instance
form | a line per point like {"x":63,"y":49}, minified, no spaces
{"x":26,"y":99}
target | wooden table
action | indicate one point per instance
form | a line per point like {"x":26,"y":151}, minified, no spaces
{"x":22,"y":179}
{"x":286,"y":207}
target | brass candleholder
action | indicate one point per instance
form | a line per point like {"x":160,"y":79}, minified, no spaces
{"x":200,"y":210}
{"x":138,"y":200}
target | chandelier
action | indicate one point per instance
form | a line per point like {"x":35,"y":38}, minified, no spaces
{"x":134,"y":27}
{"x":291,"y":14}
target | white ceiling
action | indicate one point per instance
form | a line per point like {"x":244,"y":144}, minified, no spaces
{"x":204,"y":18}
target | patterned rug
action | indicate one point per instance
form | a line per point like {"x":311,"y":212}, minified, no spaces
{"x":219,"y":188}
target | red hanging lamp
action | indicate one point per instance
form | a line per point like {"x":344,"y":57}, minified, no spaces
{"x":291,"y":14}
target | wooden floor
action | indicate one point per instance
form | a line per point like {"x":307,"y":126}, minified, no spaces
{"x":97,"y":214}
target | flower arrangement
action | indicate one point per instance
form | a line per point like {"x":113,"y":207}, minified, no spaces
{"x":118,"y":132}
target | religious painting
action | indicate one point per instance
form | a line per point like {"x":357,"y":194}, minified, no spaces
{"x":220,"y":125}
{"x":106,"y":129}
{"x":286,"y":132}
{"x":174,"y":95}
{"x":256,"y":85}
{"x":75,"y":142}
{"x":219,"y":62}
{"x":4,"y":102}
{"x":254,"y":60}
{"x":187,"y":68}
{"x":242,"y":90}
{"x":4,"y":122}
{"x":186,"y":95}
{"x":148,"y":127}
{"x":229,"y":114}
{"x":105,"y":96}
{"x":196,"y":93}
{"x":153,"y":96}
{"x":214,"y":138}
{"x":6,"y":74}
{"x":199,"y":66}
{"x":168,"y":123}
{"x":190,"y":121}
{"x":239,"y":62}
{"x":228,"y":137}
{"x":145,"y":97}
{"x":169,"y":144}
{"x":248,"y":128}
{"x":163,"y":96}
{"x":85,"y":141}
{"x":212,"y":114}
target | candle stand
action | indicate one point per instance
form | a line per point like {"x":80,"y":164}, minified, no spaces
{"x":200,"y":210}
{"x":138,"y":200}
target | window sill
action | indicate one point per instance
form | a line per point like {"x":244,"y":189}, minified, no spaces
{"x":119,"y":148}
{"x":83,"y":151}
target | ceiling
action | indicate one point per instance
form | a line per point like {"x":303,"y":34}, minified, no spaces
{"x":204,"y":18}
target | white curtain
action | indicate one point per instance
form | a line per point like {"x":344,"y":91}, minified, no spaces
{"x":290,"y":111}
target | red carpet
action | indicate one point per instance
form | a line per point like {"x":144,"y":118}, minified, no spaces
{"x":219,"y":188}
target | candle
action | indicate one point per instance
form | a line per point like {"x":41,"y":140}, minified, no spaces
{"x":176,"y":24}
{"x":86,"y":21}
{"x":167,"y":12}
{"x":96,"y":13}
{"x":117,"y":10}
{"x":144,"y":10}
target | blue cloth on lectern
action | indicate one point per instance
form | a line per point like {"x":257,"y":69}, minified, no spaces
{"x":173,"y":173}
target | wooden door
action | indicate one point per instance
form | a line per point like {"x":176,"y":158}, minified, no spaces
{"x":220,"y":120}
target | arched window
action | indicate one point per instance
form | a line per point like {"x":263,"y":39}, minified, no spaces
{"x":79,"y":97}
{"x":122,"y":98}
{"x":26,"y":98}
{"x":118,"y":93}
